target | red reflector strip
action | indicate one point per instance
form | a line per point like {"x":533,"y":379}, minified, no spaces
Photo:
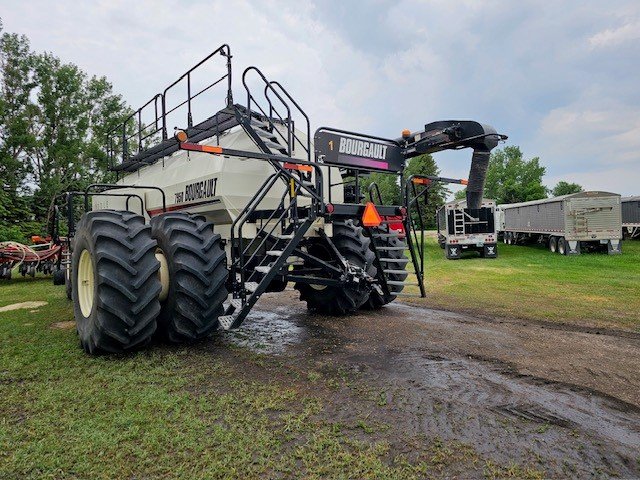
{"x":194,"y":147}
{"x":295,"y":166}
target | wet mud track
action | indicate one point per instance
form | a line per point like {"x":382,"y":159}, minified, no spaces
{"x":515,"y":391}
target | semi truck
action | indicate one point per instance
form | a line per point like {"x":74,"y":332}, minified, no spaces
{"x":631,"y":216}
{"x":205,"y":219}
{"x":462,"y":229}
{"x":568,"y":224}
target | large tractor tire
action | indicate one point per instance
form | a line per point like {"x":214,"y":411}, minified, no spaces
{"x":399,"y":274}
{"x":196,"y":276}
{"x":115,"y":281}
{"x":350,"y":241}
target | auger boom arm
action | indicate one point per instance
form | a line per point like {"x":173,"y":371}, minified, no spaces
{"x":454,"y":135}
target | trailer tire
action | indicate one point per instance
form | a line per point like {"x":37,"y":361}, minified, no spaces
{"x":59,"y":276}
{"x":562,"y":246}
{"x":376,"y":300}
{"x":197,"y":276}
{"x":350,"y":241}
{"x":553,"y":244}
{"x":115,"y":281}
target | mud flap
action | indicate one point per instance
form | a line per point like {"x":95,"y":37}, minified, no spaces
{"x":573,"y":247}
{"x":490,"y":250}
{"x":614,"y":247}
{"x":453,"y":252}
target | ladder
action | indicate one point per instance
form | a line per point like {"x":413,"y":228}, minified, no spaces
{"x":458,"y":222}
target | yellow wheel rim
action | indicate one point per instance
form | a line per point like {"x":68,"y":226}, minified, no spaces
{"x":163,"y":274}
{"x":86,"y":281}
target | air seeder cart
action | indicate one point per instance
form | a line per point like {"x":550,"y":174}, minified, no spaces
{"x":205,"y":219}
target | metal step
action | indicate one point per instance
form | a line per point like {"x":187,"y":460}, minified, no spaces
{"x":262,"y":268}
{"x":274,"y":253}
{"x":390,"y":248}
{"x":251,"y":286}
{"x":275,"y":145}
{"x":395,"y":272}
{"x":405,"y":294}
{"x":399,"y":283}
{"x":266,"y":134}
{"x":395,"y":260}
{"x":386,"y":235}
{"x":259,"y":123}
{"x":226,"y":321}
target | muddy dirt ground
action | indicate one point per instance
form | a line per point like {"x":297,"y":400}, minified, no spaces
{"x":566,"y":397}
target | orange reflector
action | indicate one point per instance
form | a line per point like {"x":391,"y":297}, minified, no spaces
{"x":371,"y":217}
{"x":406,"y":133}
{"x":194,"y":147}
{"x":295,"y":166}
{"x":421,"y":181}
{"x":464,"y":182}
{"x":180,"y":135}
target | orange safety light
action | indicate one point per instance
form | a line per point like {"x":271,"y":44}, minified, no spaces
{"x":371,"y":217}
{"x":421,"y":181}
{"x":464,"y":182}
{"x":406,"y":133}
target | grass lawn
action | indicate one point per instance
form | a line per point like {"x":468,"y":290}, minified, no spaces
{"x":209,"y":411}
{"x":529,"y":282}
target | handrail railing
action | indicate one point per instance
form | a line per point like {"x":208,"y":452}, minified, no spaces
{"x":306,"y":147}
{"x":268,"y":116}
{"x":133,"y":125}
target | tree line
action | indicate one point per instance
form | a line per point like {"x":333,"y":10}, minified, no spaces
{"x":53,"y":123}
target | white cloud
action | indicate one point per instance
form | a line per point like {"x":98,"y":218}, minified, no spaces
{"x":613,"y":37}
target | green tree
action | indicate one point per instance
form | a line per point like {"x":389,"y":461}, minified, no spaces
{"x":511,"y":178}
{"x":53,"y":125}
{"x":565,"y":188}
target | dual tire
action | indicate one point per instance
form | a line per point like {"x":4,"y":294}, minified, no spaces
{"x":122,"y":267}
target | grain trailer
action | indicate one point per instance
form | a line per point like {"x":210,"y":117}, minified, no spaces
{"x":631,"y":216}
{"x":568,"y":224}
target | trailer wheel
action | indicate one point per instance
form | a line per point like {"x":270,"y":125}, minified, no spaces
{"x":562,"y":246}
{"x":375,"y":299}
{"x":553,"y":244}
{"x":354,"y":246}
{"x":194,"y":276}
{"x":59,"y":276}
{"x":115,"y":281}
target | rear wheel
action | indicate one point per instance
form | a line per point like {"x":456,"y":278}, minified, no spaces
{"x":553,"y":244}
{"x":396,"y":270}
{"x":194,"y":272}
{"x":115,"y":281}
{"x":350,"y":241}
{"x":562,"y":246}
{"x":59,"y":276}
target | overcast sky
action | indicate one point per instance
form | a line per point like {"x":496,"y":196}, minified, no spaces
{"x":561,"y":78}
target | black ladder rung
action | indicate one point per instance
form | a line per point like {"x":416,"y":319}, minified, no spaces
{"x":395,"y":272}
{"x":385,"y":235}
{"x":395,"y":260}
